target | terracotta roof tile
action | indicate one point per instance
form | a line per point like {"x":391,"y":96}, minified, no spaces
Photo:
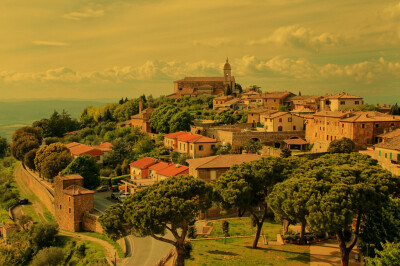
{"x":174,"y":170}
{"x":391,"y":134}
{"x":174,"y":135}
{"x":390,"y":144}
{"x":144,"y":162}
{"x":77,"y":190}
{"x":222,"y":161}
{"x":159,"y":166}
{"x":295,"y":141}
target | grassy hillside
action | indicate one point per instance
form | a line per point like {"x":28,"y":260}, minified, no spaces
{"x":16,"y":114}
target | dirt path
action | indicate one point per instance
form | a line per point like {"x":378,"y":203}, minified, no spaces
{"x":328,"y":253}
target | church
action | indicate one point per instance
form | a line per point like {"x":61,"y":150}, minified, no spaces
{"x":194,"y":86}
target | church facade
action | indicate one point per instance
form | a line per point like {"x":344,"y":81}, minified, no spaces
{"x":195,"y":86}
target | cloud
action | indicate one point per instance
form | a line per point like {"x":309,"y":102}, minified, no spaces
{"x":300,"y":37}
{"x":50,"y":43}
{"x":212,"y":43}
{"x":250,"y":67}
{"x":87,"y":13}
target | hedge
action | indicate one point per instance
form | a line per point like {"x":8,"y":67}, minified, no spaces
{"x":114,"y":180}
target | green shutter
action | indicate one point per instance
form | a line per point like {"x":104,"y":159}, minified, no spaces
{"x":380,"y":153}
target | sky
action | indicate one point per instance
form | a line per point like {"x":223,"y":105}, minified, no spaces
{"x":108,"y":49}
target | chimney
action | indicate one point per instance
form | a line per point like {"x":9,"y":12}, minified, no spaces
{"x":177,"y":165}
{"x":140,"y":107}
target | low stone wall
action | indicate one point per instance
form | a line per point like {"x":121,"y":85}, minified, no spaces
{"x":90,"y":223}
{"x":38,"y":188}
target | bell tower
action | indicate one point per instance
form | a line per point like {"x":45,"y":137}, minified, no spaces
{"x":227,"y":72}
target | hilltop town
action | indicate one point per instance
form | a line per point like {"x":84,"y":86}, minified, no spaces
{"x":215,"y":162}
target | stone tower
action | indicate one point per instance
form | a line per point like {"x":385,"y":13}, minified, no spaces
{"x":71,"y":201}
{"x":227,"y":72}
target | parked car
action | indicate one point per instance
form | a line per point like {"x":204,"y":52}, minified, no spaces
{"x":23,"y":201}
{"x":102,"y":189}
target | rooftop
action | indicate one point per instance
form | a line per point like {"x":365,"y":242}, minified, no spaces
{"x":159,"y":166}
{"x":174,"y":170}
{"x":342,"y":95}
{"x":222,"y":161}
{"x":390,"y":134}
{"x":295,"y":141}
{"x":84,"y":149}
{"x":370,"y":116}
{"x":70,"y":177}
{"x":77,"y":190}
{"x":390,"y":144}
{"x":144,"y":162}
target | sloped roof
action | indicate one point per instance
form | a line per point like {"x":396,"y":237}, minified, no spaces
{"x":370,"y":116}
{"x":295,"y":141}
{"x":71,"y":177}
{"x":303,"y":110}
{"x":342,"y":95}
{"x":222,"y":161}
{"x":174,"y":135}
{"x":390,"y":144}
{"x":159,"y":166}
{"x":148,"y":111}
{"x":174,"y":170}
{"x":85,"y":149}
{"x":77,"y":190}
{"x":144,"y":162}
{"x":212,"y":79}
{"x":72,"y":144}
{"x":203,"y":139}
{"x":226,"y":97}
{"x":391,"y":134}
{"x":339,"y":114}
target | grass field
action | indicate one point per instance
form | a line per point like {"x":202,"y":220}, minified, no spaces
{"x":238,"y":251}
{"x":242,"y":227}
{"x":105,"y":238}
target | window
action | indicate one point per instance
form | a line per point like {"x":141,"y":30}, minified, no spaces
{"x":280,"y":128}
{"x":69,"y":210}
{"x":363,"y":125}
{"x":385,"y":155}
{"x":342,"y":102}
{"x":342,"y":125}
{"x":294,"y":127}
{"x":212,"y":147}
{"x":191,"y":147}
{"x":380,"y":152}
{"x":213,"y":175}
{"x":377,"y":125}
{"x":280,"y":120}
{"x":316,"y":134}
{"x":327,"y":137}
{"x":200,"y":147}
{"x":69,"y":199}
{"x":391,"y":156}
{"x":328,"y":102}
{"x":357,"y":102}
{"x":60,"y":207}
{"x":289,"y":119}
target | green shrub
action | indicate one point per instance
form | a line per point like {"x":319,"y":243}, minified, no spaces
{"x":48,"y":256}
{"x":105,"y":181}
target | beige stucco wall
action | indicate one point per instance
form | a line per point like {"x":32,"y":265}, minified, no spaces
{"x":288,"y":122}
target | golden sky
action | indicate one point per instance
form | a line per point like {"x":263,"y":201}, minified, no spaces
{"x":114,"y":48}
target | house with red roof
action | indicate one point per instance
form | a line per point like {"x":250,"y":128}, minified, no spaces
{"x":140,"y":169}
{"x":173,"y":170}
{"x":78,"y":149}
{"x":196,"y":146}
{"x":155,"y":168}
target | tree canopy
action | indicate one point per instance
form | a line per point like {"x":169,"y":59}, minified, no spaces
{"x":170,"y":205}
{"x":86,"y":166}
{"x":247,"y":186}
{"x":52,"y":159}
{"x":25,"y":139}
{"x":344,"y":145}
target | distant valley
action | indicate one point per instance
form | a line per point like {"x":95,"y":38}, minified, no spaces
{"x":16,"y":114}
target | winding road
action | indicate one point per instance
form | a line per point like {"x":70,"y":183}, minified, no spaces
{"x":141,"y":251}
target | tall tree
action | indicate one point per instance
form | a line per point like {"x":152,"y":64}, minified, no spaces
{"x":24,"y":140}
{"x":3,"y":147}
{"x":52,"y":159}
{"x":87,"y":167}
{"x":344,"y":145}
{"x":247,"y":186}
{"x":395,"y":110}
{"x":168,"y":206}
{"x":180,"y":121}
{"x":346,"y":188}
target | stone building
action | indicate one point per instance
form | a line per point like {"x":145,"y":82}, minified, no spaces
{"x":71,"y":202}
{"x":195,"y":86}
{"x":211,"y":168}
{"x":196,"y":146}
{"x":142,"y":119}
{"x":273,"y":121}
{"x":338,"y":102}
{"x":361,"y":127}
{"x":268,"y":101}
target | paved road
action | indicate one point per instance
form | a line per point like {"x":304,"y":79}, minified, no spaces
{"x":101,"y":202}
{"x":147,"y":251}
{"x":141,"y":251}
{"x":327,"y":253}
